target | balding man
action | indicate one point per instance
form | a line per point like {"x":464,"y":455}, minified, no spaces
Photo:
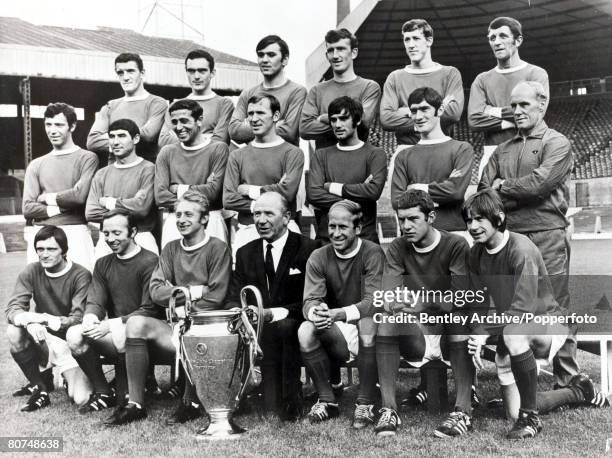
{"x":275,"y":264}
{"x":531,"y":173}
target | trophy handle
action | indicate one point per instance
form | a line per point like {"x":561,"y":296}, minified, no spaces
{"x":171,"y":316}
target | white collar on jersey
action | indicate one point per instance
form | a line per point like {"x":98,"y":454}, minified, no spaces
{"x":347,"y":81}
{"x":434,"y":141}
{"x":136,"y":97}
{"x":197,"y":245}
{"x":350,"y":148}
{"x":212,"y":95}
{"x":501,"y":246}
{"x":206,"y":142}
{"x":352,"y":254}
{"x":435,"y":243}
{"x":421,"y":71}
{"x":131,"y":164}
{"x":521,"y":66}
{"x":263,"y":84}
{"x":68,"y":151}
{"x":131,"y":254}
{"x":61,"y":272}
{"x":277,"y":142}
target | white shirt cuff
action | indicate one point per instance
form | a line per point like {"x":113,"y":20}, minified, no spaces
{"x":352,"y":313}
{"x":279,"y":313}
{"x":254,"y":192}
{"x":252,"y":206}
{"x":311,"y":314}
{"x":336,"y":188}
{"x":51,"y":199}
{"x":196,"y":292}
{"x":496,"y":111}
{"x":110,"y":203}
{"x":53,"y":322}
{"x":181,"y":189}
{"x":53,"y":210}
{"x":507,"y":125}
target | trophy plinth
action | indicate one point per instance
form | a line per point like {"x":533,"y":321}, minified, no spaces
{"x":221,"y":427}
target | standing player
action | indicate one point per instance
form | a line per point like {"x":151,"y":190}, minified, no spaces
{"x":126,"y":185}
{"x":56,"y":186}
{"x":341,"y":51}
{"x":145,"y":109}
{"x":119,"y":290}
{"x":268,"y":163}
{"x":395,"y":114}
{"x":341,"y":279}
{"x":196,"y":163}
{"x":200,"y":68}
{"x":437,"y":164}
{"x":531,"y":173}
{"x":58,"y":288}
{"x":197,"y":261}
{"x":489,"y":108}
{"x":351,"y":169}
{"x":430,"y":260}
{"x":272,"y":57}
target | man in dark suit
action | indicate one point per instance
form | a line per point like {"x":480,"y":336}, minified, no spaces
{"x":275,"y":263}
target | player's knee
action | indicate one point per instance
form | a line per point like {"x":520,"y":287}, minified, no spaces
{"x":17,"y":337}
{"x":367,"y":340}
{"x":515,"y":343}
{"x":75,"y":340}
{"x":136,"y":327}
{"x":306,"y":334}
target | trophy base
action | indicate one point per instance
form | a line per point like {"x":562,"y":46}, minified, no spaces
{"x":221,"y":430}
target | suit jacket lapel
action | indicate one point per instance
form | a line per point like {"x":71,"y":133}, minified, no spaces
{"x":288,"y":255}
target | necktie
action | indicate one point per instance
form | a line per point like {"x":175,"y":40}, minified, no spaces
{"x":269,"y":265}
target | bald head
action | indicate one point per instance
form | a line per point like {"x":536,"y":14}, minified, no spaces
{"x":271,"y":214}
{"x":528,"y":101}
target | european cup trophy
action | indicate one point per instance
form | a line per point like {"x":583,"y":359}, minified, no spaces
{"x":218,"y":350}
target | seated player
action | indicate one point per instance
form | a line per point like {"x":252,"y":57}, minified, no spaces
{"x":510,"y":268}
{"x":275,"y":264}
{"x":351,"y":169}
{"x":58,"y":287}
{"x":338,"y":293}
{"x":197,"y":261}
{"x":197,"y":163}
{"x":424,"y":259}
{"x":119,"y":290}
{"x":126,"y":185}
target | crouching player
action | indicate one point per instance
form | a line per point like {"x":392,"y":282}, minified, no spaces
{"x":510,"y":268}
{"x":341,"y":279}
{"x":37,"y":339}
{"x":119,"y":289}
{"x":423,"y":259}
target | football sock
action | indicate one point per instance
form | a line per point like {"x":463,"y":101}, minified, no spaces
{"x":368,"y":374}
{"x":190,"y":396}
{"x":317,"y":363}
{"x":335,"y":375}
{"x":388,"y":361}
{"x":89,"y":361}
{"x":27,"y":360}
{"x":121,"y":376}
{"x":525,"y":372}
{"x":137,"y":362}
{"x":463,"y":370}
{"x":550,"y":400}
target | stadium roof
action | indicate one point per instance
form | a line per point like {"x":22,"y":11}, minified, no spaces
{"x":571,"y":39}
{"x":48,"y":51}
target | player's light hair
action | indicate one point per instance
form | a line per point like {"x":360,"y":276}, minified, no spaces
{"x":538,"y":89}
{"x":274,"y":103}
{"x":418,"y":24}
{"x":52,"y":232}
{"x":187,"y":104}
{"x":284,"y":203}
{"x":270,"y":40}
{"x":125,"y":124}
{"x":353,"y":108}
{"x":201,"y":54}
{"x":352,"y":207}
{"x":53,"y":109}
{"x":486,"y":203}
{"x":125,"y":57}
{"x":430,"y":95}
{"x":335,"y":35}
{"x":515,"y":26}
{"x":130,"y":218}
{"x":195,"y":197}
{"x":415,"y":198}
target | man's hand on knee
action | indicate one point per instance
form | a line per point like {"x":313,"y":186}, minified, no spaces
{"x":37,"y":331}
{"x":97,"y":331}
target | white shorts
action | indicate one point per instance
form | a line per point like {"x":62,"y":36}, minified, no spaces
{"x":60,"y":355}
{"x":216,"y":227}
{"x":144,"y":239}
{"x":117,"y":333}
{"x":351,"y":335}
{"x":80,"y":244}
{"x":487,"y":152}
{"x":433,"y":350}
{"x":247,"y":233}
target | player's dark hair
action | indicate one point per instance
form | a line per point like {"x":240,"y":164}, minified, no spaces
{"x":187,"y":104}
{"x":429,"y":95}
{"x":352,"y":207}
{"x":51,"y":231}
{"x":418,"y":24}
{"x":274,"y":103}
{"x":130,"y":218}
{"x":333,"y":36}
{"x":515,"y":26}
{"x":201,"y":54}
{"x":415,"y":198}
{"x":488,"y":204}
{"x":53,"y":109}
{"x":129,"y":57}
{"x":270,"y":40}
{"x":125,"y":124}
{"x":352,"y":106}
{"x":196,"y":197}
